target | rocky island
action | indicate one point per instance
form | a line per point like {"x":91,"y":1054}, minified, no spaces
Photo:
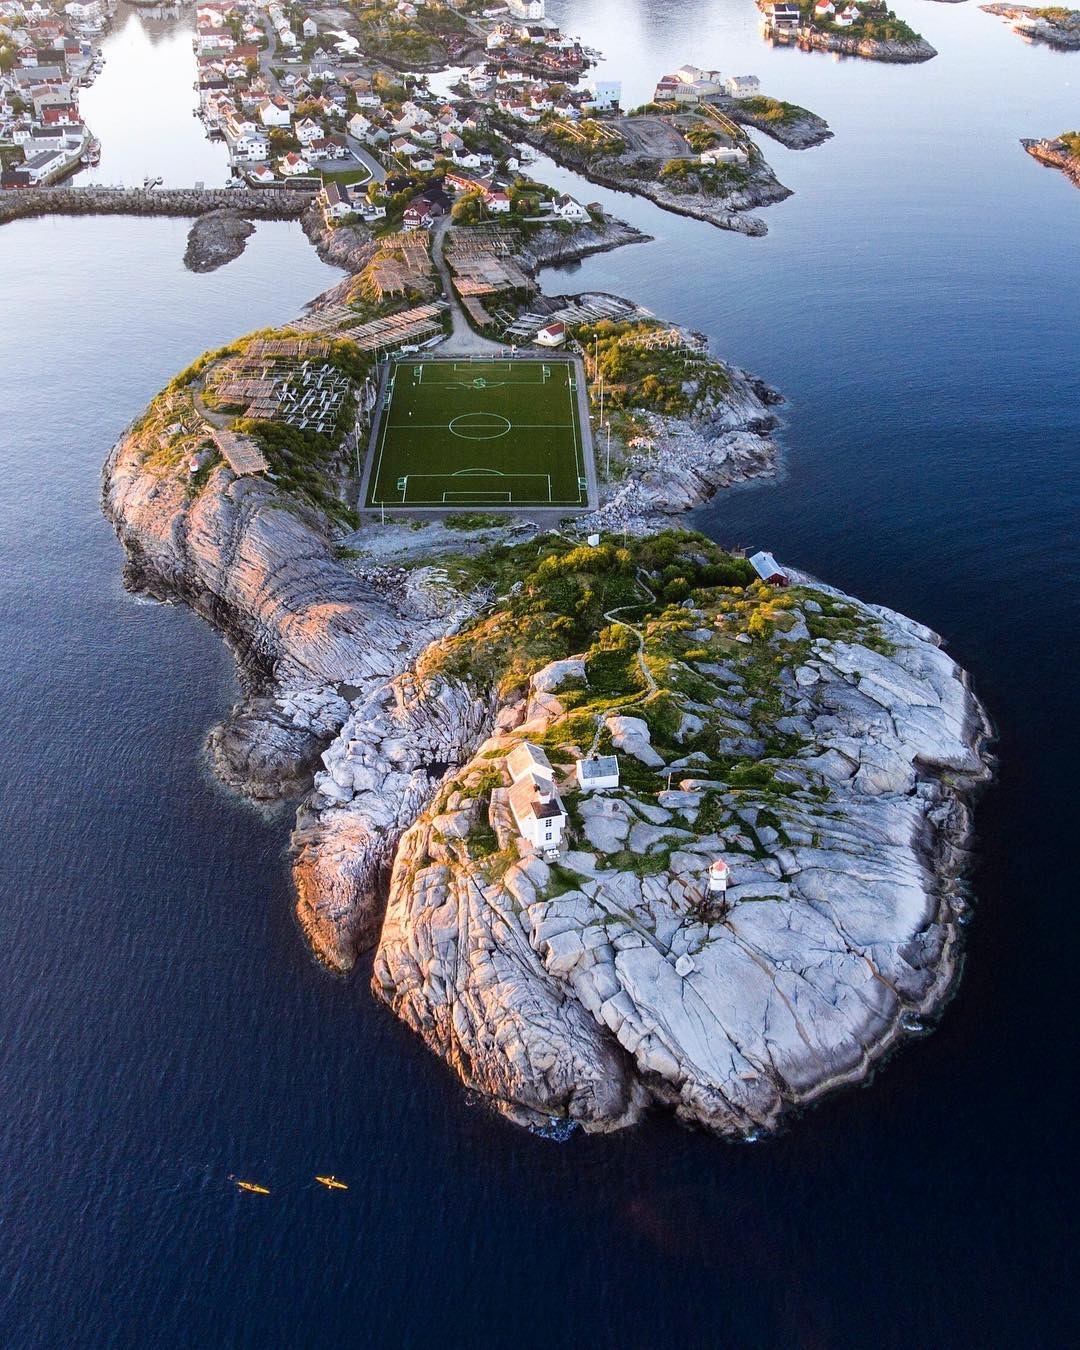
{"x":870,"y":30}
{"x":1062,"y":152}
{"x":1054,"y":25}
{"x":819,"y":752}
{"x":698,"y":164}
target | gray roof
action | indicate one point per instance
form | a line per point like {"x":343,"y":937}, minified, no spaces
{"x":600,"y":766}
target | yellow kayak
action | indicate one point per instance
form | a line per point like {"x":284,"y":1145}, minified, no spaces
{"x":332,"y":1183}
{"x":253,"y":1186}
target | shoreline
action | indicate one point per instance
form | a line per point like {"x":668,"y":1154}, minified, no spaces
{"x":1054,"y":154}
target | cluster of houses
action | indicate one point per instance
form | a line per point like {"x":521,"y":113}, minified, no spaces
{"x":526,"y":40}
{"x":52,"y":57}
{"x":690,"y":85}
{"x":788,"y":18}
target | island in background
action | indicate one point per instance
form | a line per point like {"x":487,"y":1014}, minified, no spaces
{"x":1053,"y":25}
{"x":870,"y":30}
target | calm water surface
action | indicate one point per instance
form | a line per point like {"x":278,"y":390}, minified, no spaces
{"x":162,"y":1024}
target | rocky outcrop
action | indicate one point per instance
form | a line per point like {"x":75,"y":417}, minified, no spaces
{"x":584,"y":991}
{"x":679,"y":464}
{"x":553,"y":247}
{"x":216,"y":239}
{"x":872,"y":49}
{"x":1055,"y":154}
{"x":1053,"y":25}
{"x":801,"y":132}
{"x":307,"y":635}
{"x":726,"y":212}
{"x":377,"y":777}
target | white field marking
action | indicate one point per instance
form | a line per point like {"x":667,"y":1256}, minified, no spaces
{"x":579,"y":457}
{"x":518,"y":426}
{"x":505,"y":497}
{"x":474,"y":493}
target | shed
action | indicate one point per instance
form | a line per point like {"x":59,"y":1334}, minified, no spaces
{"x":768,"y":569}
{"x":598,"y":771}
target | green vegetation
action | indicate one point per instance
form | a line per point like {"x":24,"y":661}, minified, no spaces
{"x":765,"y":109}
{"x":1071,"y":141}
{"x":473,"y":520}
{"x":643,"y":369}
{"x":877,"y":23}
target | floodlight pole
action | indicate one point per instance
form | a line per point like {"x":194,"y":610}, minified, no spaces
{"x":607,"y":467}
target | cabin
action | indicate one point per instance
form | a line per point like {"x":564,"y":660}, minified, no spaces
{"x":534,"y":802}
{"x":597,"y":772}
{"x":769,"y":570}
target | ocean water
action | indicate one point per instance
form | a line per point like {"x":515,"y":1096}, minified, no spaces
{"x":161,"y":1022}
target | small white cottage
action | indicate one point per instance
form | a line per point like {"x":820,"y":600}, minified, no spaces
{"x":598,"y":771}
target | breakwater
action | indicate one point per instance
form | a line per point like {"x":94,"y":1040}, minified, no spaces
{"x":261,"y":203}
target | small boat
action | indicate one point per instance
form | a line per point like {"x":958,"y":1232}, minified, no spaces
{"x":149,"y":182}
{"x":253,"y":1187}
{"x":332,"y":1183}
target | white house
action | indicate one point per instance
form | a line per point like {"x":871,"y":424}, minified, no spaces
{"x":724,"y":154}
{"x":293,"y":165}
{"x":262,"y":176}
{"x":553,"y":335}
{"x":497,"y":202}
{"x":823,"y":9}
{"x":847,"y":16}
{"x":534,"y":803}
{"x":526,"y":9}
{"x":273,"y":113}
{"x":595,"y":772}
{"x":607,"y":94}
{"x":742,"y":86}
{"x":335,"y":202}
{"x":308,"y":130}
{"x":310,"y":28}
{"x":566,"y":208}
{"x":359,"y":126}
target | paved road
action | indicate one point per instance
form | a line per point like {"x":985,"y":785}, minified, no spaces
{"x":462,"y":337}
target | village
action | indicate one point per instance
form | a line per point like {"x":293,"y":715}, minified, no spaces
{"x":47,"y":55}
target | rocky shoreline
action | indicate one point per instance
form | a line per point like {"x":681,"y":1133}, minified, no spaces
{"x":871,"y":49}
{"x":726,"y":213}
{"x":1055,"y":154}
{"x":828,"y":747}
{"x":1055,"y":26}
{"x":804,"y":133}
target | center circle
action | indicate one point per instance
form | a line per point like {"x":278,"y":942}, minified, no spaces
{"x":479,"y":426}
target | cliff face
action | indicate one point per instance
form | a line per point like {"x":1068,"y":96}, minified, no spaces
{"x":307,"y":636}
{"x":584,"y":990}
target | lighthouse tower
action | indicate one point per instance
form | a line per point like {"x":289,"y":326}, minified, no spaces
{"x":719,"y":878}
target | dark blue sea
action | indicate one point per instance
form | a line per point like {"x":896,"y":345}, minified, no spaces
{"x":161,"y":1022}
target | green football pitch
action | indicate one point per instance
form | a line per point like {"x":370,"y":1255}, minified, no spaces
{"x":479,"y":433}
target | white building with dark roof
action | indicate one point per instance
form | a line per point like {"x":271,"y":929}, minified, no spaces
{"x":534,"y":803}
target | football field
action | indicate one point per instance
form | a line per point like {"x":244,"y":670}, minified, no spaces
{"x":471,"y":433}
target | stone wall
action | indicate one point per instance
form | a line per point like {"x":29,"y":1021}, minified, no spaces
{"x":262,"y":203}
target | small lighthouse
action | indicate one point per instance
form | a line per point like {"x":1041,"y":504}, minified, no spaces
{"x":719,"y":878}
